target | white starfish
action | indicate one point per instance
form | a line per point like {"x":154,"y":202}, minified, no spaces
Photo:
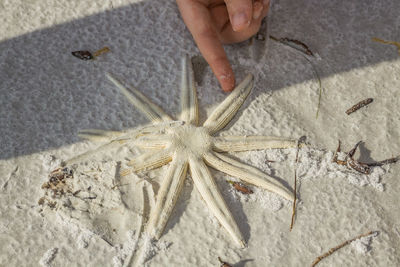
{"x":189,"y":146}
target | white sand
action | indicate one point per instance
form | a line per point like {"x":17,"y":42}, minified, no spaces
{"x":47,"y":95}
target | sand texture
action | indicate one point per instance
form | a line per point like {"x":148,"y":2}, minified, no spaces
{"x":93,"y":216}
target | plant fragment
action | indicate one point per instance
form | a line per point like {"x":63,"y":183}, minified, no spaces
{"x":295,"y":44}
{"x":332,"y":250}
{"x":295,"y":185}
{"x":101,"y":51}
{"x":359,"y":105}
{"x":362,"y":167}
{"x":241,"y":187}
{"x":83,"y":54}
{"x":87,"y":55}
{"x":223,"y":263}
{"x":397,"y":44}
{"x":305,"y":50}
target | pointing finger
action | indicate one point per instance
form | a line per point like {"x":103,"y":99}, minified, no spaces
{"x":199,"y":21}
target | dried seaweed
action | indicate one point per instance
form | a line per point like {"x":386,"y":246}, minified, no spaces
{"x":332,"y":250}
{"x":355,"y":164}
{"x":359,"y":105}
{"x":397,"y":44}
{"x":305,"y":50}
{"x":350,"y":161}
{"x":57,"y":183}
{"x":362,"y":167}
{"x":359,"y":166}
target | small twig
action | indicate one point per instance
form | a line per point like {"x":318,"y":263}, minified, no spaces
{"x":294,"y":201}
{"x":297,"y":151}
{"x":332,"y":250}
{"x":359,"y":105}
{"x":383,"y":162}
{"x":295,"y":44}
{"x":223,"y":263}
{"x":295,"y":186}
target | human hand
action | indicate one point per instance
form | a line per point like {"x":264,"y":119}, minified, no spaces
{"x":217,"y":22}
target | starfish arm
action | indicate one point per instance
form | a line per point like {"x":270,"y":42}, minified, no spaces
{"x":141,"y":102}
{"x":208,"y":189}
{"x":151,"y":160}
{"x":189,"y":112}
{"x":161,"y":127}
{"x":245,"y":143}
{"x":246,"y":173}
{"x":99,"y":135}
{"x":156,"y":141}
{"x":167,"y":196}
{"x":228,"y":108}
{"x":110,"y":145}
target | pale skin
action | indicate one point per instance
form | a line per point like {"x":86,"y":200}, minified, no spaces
{"x":214,"y":23}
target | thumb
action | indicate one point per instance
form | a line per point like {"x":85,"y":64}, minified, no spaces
{"x":240,"y":13}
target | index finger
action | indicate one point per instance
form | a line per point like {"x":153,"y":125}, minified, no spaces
{"x":199,"y":22}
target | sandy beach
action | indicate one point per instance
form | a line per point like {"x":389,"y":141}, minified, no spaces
{"x":47,"y":96}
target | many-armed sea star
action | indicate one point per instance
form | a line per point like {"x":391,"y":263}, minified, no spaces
{"x":189,"y":146}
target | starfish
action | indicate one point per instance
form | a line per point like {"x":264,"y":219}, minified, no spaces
{"x":186,"y":145}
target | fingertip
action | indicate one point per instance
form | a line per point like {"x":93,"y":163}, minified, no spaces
{"x":227,"y":82}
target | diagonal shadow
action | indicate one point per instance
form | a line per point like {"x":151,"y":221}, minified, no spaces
{"x":47,"y":95}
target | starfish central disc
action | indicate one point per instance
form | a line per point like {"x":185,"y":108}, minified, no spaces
{"x":191,"y":140}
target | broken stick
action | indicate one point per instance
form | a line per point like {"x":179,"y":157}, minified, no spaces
{"x":332,"y":250}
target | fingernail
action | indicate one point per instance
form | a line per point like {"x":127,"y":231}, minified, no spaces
{"x":257,"y":10}
{"x":256,"y":14}
{"x":238,"y":20}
